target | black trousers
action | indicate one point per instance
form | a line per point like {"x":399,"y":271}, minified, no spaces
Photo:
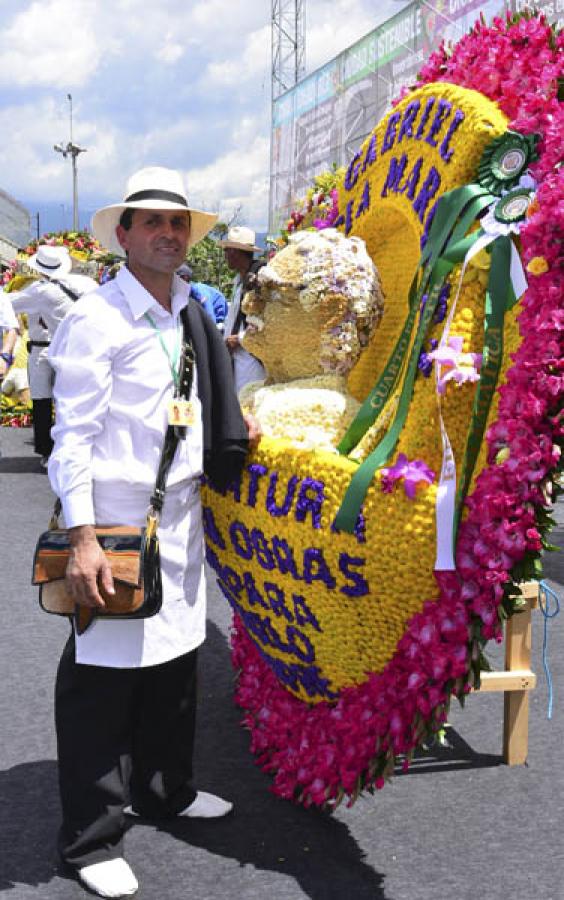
{"x":42,"y":415}
{"x":124,"y":736}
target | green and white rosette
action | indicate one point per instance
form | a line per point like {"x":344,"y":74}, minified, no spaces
{"x":505,"y":160}
{"x":499,"y":201}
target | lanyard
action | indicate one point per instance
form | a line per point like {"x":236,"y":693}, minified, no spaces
{"x":172,"y":360}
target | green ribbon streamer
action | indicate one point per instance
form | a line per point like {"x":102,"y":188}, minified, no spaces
{"x":356,"y":492}
{"x":455,"y":213}
{"x":500,"y":297}
{"x":462,"y":204}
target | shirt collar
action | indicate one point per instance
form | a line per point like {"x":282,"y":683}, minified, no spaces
{"x":141,"y":301}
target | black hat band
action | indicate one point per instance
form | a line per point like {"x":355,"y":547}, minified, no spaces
{"x":157,"y":195}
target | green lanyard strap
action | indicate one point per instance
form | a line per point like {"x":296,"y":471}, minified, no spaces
{"x":173,"y":361}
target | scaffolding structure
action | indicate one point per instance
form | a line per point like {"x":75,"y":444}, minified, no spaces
{"x":288,"y":44}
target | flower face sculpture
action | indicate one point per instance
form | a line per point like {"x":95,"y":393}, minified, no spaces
{"x":315,"y":306}
{"x":318,"y":301}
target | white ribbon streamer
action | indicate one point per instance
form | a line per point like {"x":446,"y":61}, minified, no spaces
{"x":445,"y":502}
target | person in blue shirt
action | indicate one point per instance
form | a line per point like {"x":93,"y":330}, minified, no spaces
{"x":212,"y":300}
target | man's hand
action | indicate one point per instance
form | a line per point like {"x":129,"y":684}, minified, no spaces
{"x":232,"y":342}
{"x":254,"y":429}
{"x":3,"y":368}
{"x":87,"y":563}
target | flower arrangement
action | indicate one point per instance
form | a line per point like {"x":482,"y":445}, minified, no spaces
{"x":80,"y":243}
{"x":330,"y":710}
{"x":319,"y":209}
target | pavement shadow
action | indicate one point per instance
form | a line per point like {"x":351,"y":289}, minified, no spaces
{"x":454,"y":755}
{"x":21,"y":465}
{"x":270,"y":834}
{"x":29,"y":821}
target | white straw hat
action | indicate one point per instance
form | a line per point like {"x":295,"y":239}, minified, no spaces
{"x":51,"y":261}
{"x":240,"y":238}
{"x":151,"y":188}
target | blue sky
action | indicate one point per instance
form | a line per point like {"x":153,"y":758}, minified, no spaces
{"x":180,"y":83}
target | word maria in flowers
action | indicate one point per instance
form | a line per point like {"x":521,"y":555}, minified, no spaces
{"x":286,"y":591}
{"x":413,"y":155}
{"x":433,"y":121}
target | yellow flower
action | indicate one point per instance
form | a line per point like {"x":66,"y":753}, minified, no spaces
{"x":537,"y":265}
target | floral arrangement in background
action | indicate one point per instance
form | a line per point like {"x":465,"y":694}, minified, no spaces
{"x":319,"y":209}
{"x":318,"y":754}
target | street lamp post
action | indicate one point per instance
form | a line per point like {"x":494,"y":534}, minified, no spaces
{"x":72,"y":150}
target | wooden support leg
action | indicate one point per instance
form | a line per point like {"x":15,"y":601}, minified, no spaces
{"x":516,"y":680}
{"x":516,"y":703}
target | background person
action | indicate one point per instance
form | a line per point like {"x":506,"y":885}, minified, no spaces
{"x":239,"y":248}
{"x":47,"y":301}
{"x":125,"y":697}
{"x":8,"y":336}
{"x":210,"y":298}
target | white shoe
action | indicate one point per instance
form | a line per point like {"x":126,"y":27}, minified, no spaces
{"x":205,"y":806}
{"x":112,"y":878}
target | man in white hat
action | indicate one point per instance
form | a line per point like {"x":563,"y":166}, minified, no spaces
{"x":46,"y":301}
{"x":125,"y":693}
{"x":239,"y":248}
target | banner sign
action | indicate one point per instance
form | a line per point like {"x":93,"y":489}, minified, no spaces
{"x":325,"y":118}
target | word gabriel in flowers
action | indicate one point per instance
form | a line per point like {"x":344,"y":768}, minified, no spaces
{"x":407,"y":130}
{"x":280,"y":620}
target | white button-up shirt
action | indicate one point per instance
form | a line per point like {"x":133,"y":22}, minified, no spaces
{"x":246,"y":367}
{"x":7,"y":315}
{"x":48,"y":300}
{"x":113,"y":383}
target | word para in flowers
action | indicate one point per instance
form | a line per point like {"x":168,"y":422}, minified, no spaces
{"x":278,"y":625}
{"x":287,"y":581}
{"x":431,"y":121}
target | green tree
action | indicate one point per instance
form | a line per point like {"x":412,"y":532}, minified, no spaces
{"x":207,"y":261}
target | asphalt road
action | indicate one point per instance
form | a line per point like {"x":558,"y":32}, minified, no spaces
{"x":459,"y":824}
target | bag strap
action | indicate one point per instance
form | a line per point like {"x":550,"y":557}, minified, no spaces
{"x":172,"y":436}
{"x":67,"y":290}
{"x":174,"y":433}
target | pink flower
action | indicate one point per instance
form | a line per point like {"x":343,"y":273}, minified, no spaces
{"x":413,"y":472}
{"x":462,"y":367}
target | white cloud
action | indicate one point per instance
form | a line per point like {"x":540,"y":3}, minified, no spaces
{"x":52,"y":43}
{"x":236,"y":179}
{"x":170,"y":51}
{"x":248,"y":64}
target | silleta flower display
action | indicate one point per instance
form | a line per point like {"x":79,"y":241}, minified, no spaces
{"x":353,"y":627}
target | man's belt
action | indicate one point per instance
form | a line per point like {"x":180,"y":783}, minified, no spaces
{"x":30,"y":344}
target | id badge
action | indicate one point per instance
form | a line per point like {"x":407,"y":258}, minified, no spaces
{"x":180,"y":413}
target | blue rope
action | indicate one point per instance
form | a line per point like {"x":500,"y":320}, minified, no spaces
{"x":546,"y":594}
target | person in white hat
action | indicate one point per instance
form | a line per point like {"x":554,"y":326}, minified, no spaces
{"x":126,"y":689}
{"x":46,"y":301}
{"x":239,"y":248}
